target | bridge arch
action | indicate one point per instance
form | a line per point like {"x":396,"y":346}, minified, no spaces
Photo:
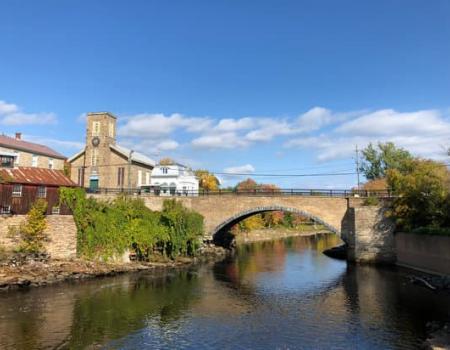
{"x":220,"y":231}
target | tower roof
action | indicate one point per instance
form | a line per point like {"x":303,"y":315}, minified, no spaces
{"x":102,"y":113}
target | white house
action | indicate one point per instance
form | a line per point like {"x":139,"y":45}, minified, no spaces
{"x":175,"y":179}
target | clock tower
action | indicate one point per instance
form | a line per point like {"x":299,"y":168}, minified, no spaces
{"x":100,"y":135}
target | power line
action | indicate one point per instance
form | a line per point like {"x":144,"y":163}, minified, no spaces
{"x":344,"y":173}
{"x":285,"y":175}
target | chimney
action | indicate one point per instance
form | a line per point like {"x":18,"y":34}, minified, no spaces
{"x":18,"y":135}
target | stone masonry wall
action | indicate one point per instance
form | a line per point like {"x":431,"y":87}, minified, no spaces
{"x":61,"y":232}
{"x":369,"y":235}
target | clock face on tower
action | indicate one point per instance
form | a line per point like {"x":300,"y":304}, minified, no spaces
{"x":95,"y":141}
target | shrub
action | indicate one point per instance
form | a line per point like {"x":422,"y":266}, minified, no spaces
{"x":31,"y":232}
{"x":185,"y":227}
{"x":371,"y":201}
{"x":108,"y":229}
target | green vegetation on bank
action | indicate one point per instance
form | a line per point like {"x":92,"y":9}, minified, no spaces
{"x":421,"y":188}
{"x":108,"y":229}
{"x":31,"y":232}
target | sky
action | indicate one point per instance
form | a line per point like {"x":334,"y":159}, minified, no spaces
{"x":257,"y":87}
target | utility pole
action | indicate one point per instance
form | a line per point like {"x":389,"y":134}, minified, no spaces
{"x":357,"y":165}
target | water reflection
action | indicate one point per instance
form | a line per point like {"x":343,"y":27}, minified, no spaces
{"x":279,"y":294}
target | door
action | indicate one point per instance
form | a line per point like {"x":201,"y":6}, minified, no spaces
{"x":93,"y":185}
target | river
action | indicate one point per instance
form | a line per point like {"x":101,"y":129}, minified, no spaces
{"x":281,"y":294}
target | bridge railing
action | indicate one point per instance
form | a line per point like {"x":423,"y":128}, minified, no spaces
{"x":251,"y":192}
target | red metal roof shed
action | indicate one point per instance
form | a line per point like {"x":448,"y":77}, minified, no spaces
{"x":36,"y":176}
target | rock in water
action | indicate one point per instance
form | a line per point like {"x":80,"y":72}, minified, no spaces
{"x":339,"y":252}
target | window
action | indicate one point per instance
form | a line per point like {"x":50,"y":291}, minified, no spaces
{"x":94,"y":159}
{"x":56,"y":210}
{"x":50,"y":163}
{"x":139,"y":177}
{"x":6,"y":161}
{"x":42,"y":192}
{"x":34,"y":160}
{"x":80,"y":177}
{"x":95,"y":128}
{"x":17,"y":191}
{"x":111,"y":130}
{"x":5,"y":209}
{"x":120,"y":176}
{"x":165,"y":170}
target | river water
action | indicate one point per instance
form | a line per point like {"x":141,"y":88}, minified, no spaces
{"x":272,"y":295}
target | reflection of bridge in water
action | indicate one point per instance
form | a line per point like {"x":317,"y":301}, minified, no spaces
{"x":363,"y":229}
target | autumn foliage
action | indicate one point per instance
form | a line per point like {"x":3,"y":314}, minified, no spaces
{"x":207,"y":180}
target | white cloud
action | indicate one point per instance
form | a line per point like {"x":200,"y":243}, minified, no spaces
{"x":229,"y":124}
{"x":222,"y":140}
{"x":424,"y":133}
{"x":151,"y":147}
{"x":314,"y":119}
{"x":241,"y":169}
{"x":167,"y":145}
{"x":145,"y":125}
{"x":269,"y":128}
{"x":389,"y":122}
{"x":11,"y":115}
{"x":56,"y":143}
{"x":7,"y":108}
{"x":28,"y":119}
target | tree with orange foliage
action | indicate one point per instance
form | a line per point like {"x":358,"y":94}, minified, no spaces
{"x":167,"y":161}
{"x":207,"y":181}
{"x":247,"y":185}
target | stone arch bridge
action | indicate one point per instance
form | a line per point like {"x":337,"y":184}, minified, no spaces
{"x":222,"y":212}
{"x":364,"y":229}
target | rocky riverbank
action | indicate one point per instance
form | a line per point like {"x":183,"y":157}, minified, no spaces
{"x":24,"y":271}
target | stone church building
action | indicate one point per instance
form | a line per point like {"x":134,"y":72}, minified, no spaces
{"x":103,"y":163}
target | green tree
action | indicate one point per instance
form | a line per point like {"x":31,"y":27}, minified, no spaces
{"x":422,"y":190}
{"x":32,"y":231}
{"x":377,"y":160}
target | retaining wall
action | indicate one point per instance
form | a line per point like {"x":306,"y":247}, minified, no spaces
{"x":423,"y":252}
{"x":61,"y":234}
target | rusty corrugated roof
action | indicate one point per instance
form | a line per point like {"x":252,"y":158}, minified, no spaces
{"x":36,"y":176}
{"x":21,"y":145}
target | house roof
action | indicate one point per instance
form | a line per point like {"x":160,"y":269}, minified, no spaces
{"x":21,"y":145}
{"x":36,"y":176}
{"x":76,"y":155}
{"x":175,"y":169}
{"x":135,"y":156}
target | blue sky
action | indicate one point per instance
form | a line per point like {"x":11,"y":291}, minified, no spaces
{"x":247,"y":86}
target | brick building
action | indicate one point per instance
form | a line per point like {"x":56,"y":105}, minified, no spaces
{"x":103,"y":163}
{"x":15,"y":152}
